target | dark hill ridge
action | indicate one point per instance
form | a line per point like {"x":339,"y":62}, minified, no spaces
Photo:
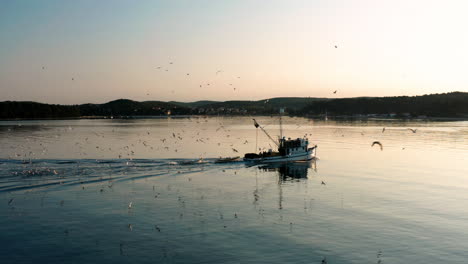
{"x":453,"y":104}
{"x":125,"y":107}
{"x":33,"y":110}
{"x":194,"y":104}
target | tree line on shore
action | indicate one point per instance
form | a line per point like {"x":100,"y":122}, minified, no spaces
{"x":453,"y":104}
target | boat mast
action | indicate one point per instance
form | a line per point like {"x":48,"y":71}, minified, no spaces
{"x":281,"y":111}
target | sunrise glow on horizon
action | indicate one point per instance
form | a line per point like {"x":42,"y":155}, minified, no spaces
{"x":72,"y":52}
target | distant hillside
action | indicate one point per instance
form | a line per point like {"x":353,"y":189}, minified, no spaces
{"x":33,"y":110}
{"x":194,"y":104}
{"x":125,"y":107}
{"x":266,"y":106}
{"x":453,"y":104}
{"x":435,"y":105}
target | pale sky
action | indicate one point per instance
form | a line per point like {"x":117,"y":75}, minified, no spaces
{"x":97,"y":51}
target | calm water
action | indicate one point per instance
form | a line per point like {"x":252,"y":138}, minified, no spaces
{"x":66,"y":186}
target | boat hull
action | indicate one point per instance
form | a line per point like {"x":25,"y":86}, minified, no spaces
{"x":309,"y":155}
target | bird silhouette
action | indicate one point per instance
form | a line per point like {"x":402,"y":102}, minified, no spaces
{"x":377,"y":143}
{"x":335,"y":91}
{"x":412,"y":130}
{"x":383,"y":129}
{"x":323,"y":183}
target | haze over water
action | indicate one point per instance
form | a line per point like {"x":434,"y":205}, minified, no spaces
{"x":66,"y":188}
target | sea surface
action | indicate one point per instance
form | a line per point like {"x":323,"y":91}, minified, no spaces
{"x":149,"y":191}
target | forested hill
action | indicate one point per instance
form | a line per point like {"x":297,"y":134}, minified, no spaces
{"x":435,"y":105}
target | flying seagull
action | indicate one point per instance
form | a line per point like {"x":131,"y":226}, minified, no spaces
{"x":377,"y":143}
{"x":412,"y":130}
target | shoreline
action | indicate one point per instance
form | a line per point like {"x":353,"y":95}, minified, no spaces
{"x":313,"y":117}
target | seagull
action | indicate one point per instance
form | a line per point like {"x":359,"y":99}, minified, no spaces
{"x":323,"y":183}
{"x":335,"y":91}
{"x":235,"y":150}
{"x":383,"y":129}
{"x":413,"y":130}
{"x":11,"y":200}
{"x":130,"y":205}
{"x":378,"y":143}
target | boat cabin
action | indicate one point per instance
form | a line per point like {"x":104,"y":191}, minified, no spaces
{"x":292,"y":146}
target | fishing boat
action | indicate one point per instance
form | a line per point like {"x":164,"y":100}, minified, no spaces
{"x":288,"y":149}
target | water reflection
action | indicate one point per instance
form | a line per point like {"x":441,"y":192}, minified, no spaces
{"x":290,"y":170}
